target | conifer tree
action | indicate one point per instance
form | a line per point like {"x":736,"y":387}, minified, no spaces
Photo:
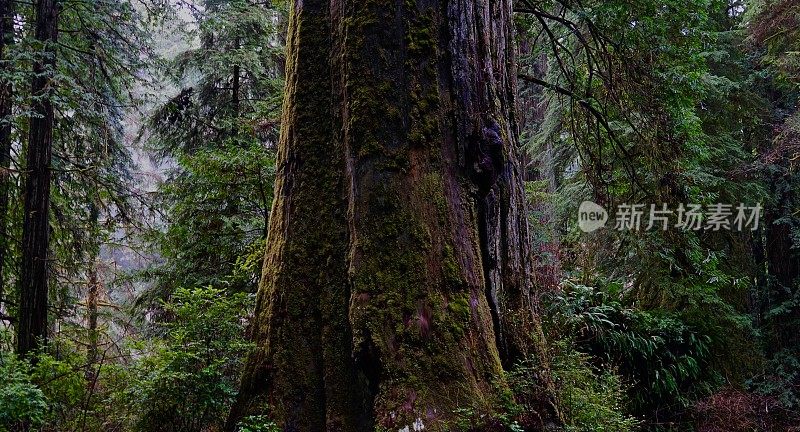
{"x":217,"y":135}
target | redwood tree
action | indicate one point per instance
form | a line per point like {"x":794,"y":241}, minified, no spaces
{"x":32,"y":323}
{"x":6,"y":111}
{"x":397,"y":279}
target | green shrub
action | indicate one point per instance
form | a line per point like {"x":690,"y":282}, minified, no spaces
{"x":63,"y":381}
{"x":257,"y":424}
{"x":54,"y":394}
{"x":21,"y":402}
{"x":590,"y":400}
{"x":781,"y":379}
{"x":666,"y":362}
{"x":189,"y":381}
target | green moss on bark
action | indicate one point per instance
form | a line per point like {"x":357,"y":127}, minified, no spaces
{"x":373,"y":311}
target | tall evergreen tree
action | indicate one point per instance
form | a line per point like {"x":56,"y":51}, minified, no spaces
{"x":101,"y":51}
{"x":773,"y":41}
{"x":32,"y":322}
{"x":217,"y":135}
{"x":6,"y":110}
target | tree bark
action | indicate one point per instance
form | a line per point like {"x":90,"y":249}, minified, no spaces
{"x":91,"y":323}
{"x":92,"y":297}
{"x":32,"y":326}
{"x":6,"y":111}
{"x":397,"y":280}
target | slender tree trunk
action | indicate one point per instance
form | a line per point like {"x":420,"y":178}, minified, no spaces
{"x":32,"y":326}
{"x":397,"y":280}
{"x":91,"y":318}
{"x":92,"y":297}
{"x":6,"y":111}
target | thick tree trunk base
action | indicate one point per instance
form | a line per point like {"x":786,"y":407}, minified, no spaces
{"x":397,"y":281}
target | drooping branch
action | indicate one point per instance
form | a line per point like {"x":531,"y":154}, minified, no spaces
{"x":594,"y":55}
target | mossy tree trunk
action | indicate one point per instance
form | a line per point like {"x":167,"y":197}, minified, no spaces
{"x":397,"y":280}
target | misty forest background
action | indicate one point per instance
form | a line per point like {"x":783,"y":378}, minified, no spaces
{"x":165,"y":127}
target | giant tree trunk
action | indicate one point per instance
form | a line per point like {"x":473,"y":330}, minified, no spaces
{"x":397,"y":281}
{"x":6,"y":111}
{"x":32,"y":325}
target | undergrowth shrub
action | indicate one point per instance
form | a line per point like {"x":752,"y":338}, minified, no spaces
{"x":188,"y":381}
{"x":590,"y":399}
{"x":21,"y":402}
{"x":664,"y":362}
{"x":56,"y":395}
{"x":780,"y":379}
{"x":257,"y":424}
{"x":61,"y":377}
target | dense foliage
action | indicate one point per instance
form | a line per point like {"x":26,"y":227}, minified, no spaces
{"x":671,"y":103}
{"x":188,"y":381}
{"x":217,"y":136}
{"x":166,"y":124}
